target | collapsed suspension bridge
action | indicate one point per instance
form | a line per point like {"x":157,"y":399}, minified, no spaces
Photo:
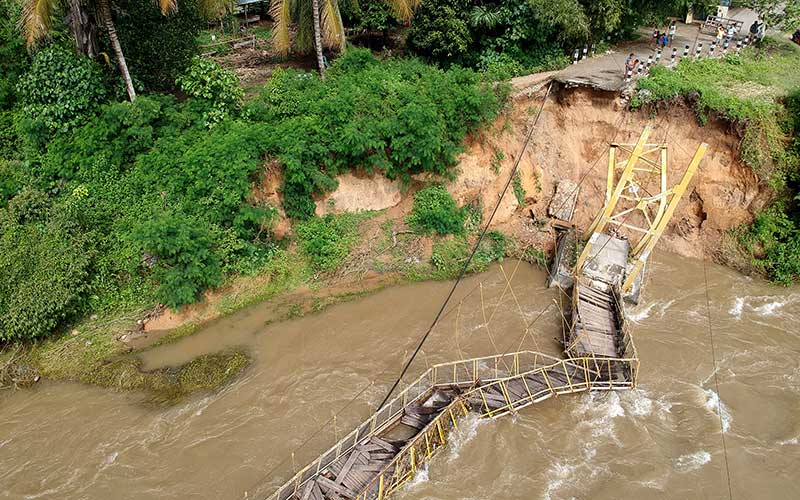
{"x":596,"y":274}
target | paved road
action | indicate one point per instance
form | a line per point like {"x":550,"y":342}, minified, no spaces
{"x":606,"y":72}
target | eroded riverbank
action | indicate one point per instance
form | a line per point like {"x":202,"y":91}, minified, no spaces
{"x":661,"y":441}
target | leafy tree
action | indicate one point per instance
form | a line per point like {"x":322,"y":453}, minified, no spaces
{"x":440,"y":30}
{"x":778,"y":14}
{"x":158,"y":47}
{"x":38,"y":17}
{"x":59,"y":89}
{"x":318,"y":25}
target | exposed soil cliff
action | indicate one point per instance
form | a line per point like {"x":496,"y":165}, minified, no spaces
{"x":571,"y":142}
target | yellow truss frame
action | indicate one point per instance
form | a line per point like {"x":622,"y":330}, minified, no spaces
{"x":657,"y":209}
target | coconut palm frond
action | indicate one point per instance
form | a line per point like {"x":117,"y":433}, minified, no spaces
{"x":403,"y":9}
{"x":214,"y":9}
{"x":37,"y":19}
{"x":304,"y":16}
{"x":167,"y":6}
{"x":280,"y":12}
{"x":331,"y":25}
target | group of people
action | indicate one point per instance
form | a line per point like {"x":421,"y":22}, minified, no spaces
{"x":665,"y":38}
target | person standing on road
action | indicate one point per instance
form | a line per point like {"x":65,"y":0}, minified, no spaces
{"x":720,"y":34}
{"x":656,"y":34}
{"x":673,"y":27}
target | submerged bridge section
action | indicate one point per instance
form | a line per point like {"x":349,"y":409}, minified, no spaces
{"x":385,"y":452}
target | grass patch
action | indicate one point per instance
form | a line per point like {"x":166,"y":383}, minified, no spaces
{"x":326,"y":241}
{"x":747,"y":90}
{"x":450,"y":255}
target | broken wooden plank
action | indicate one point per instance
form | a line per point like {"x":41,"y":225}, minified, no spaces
{"x":307,"y":490}
{"x":383,"y":444}
{"x":328,"y":485}
{"x":351,"y":460}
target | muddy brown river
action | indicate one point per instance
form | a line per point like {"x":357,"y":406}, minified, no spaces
{"x":660,"y":441}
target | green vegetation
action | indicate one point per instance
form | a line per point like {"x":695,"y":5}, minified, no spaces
{"x":759,"y":93}
{"x":58,"y":90}
{"x":450,"y":254}
{"x":153,"y":200}
{"x":158,"y":48}
{"x":326,"y":241}
{"x":519,"y":191}
{"x":216,"y":87}
{"x":394,"y":117}
{"x":435,"y":211}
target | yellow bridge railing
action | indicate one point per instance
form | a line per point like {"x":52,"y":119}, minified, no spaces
{"x":580,"y":373}
{"x":476,"y":376}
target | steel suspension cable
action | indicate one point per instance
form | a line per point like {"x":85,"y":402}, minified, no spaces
{"x":471,"y":255}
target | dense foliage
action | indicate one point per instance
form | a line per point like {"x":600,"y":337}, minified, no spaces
{"x":435,"y":211}
{"x":143,"y":201}
{"x":13,"y":58}
{"x":157,"y":47}
{"x":512,"y":37}
{"x":396,"y":117}
{"x":59,"y":89}
{"x":185,"y":260}
{"x":44,"y":266}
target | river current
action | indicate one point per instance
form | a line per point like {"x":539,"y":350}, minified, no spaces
{"x":660,"y":441}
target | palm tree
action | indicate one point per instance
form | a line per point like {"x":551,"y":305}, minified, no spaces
{"x":38,"y":15}
{"x":319,"y":23}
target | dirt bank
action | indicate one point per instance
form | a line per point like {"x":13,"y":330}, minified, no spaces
{"x":571,"y":142}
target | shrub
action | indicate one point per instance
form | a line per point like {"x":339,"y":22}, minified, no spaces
{"x":60,"y":89}
{"x":326,"y":241}
{"x":217,"y":86}
{"x":44,"y":274}
{"x":436,"y":211}
{"x":440,"y":30}
{"x":450,"y":255}
{"x":185,"y":261}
